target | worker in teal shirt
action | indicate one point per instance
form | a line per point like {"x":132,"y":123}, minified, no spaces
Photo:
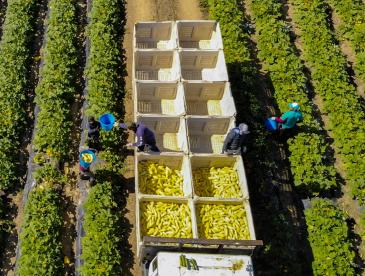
{"x":290,"y":118}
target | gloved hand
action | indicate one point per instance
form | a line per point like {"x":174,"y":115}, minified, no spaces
{"x":115,"y":124}
{"x":273,"y":118}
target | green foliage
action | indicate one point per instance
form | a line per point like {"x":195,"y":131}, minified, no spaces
{"x":331,"y":81}
{"x":41,"y":249}
{"x":328,"y":236}
{"x":352,"y":28}
{"x":279,"y":256}
{"x":104,"y":74}
{"x":14,"y":67}
{"x":308,"y":161}
{"x":231,"y":20}
{"x":56,"y":89}
{"x":101,"y":243}
{"x":105,"y":82}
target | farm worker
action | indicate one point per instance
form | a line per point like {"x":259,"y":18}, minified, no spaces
{"x":234,"y":140}
{"x":145,"y":137}
{"x":93,"y":133}
{"x":290,"y":118}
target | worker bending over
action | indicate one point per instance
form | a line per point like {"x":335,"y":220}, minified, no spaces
{"x":290,"y":118}
{"x":233,"y":144}
{"x":146,"y":140}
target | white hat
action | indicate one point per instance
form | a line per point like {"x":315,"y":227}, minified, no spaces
{"x":243,"y":128}
{"x":294,"y":106}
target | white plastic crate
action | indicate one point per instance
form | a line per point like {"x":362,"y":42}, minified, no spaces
{"x":244,"y":203}
{"x":180,"y":163}
{"x":146,"y":198}
{"x":156,"y":65}
{"x":159,"y":98}
{"x":155,"y":35}
{"x":209,"y":99}
{"x":219,"y":161}
{"x":206,"y":135}
{"x":201,"y":34}
{"x":203,"y":65}
{"x":170,"y":132}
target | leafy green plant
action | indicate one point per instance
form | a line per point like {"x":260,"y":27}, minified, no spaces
{"x":279,"y":256}
{"x":101,"y":243}
{"x":328,"y":236}
{"x":56,"y":90}
{"x":105,"y":82}
{"x":104,"y":74}
{"x":309,"y":165}
{"x":352,"y":28}
{"x":331,"y":82}
{"x":41,"y":249}
{"x":14,"y":67}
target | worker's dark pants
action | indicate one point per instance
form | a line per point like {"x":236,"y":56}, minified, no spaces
{"x":94,"y":142}
{"x":286,"y":133}
{"x":148,"y":148}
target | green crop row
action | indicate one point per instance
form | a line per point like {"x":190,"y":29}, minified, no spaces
{"x":328,"y":235}
{"x":309,"y":165}
{"x":101,"y":243}
{"x":56,"y":90}
{"x":41,"y":249}
{"x":14,"y":76}
{"x":278,"y":256}
{"x":352,"y":28}
{"x":331,"y":82}
{"x":105,"y":83}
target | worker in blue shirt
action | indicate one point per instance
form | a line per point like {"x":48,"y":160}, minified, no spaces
{"x":290,"y":118}
{"x":146,"y":140}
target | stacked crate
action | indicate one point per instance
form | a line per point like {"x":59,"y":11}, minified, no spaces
{"x":182,"y":93}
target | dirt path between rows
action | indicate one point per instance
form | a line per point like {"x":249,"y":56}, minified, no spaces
{"x":348,"y":52}
{"x":146,"y":10}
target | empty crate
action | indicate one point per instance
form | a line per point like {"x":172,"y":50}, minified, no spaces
{"x":203,"y":65}
{"x":199,"y":34}
{"x":206,"y":135}
{"x":155,"y":35}
{"x":156,"y":65}
{"x":159,"y":98}
{"x":213,"y":99}
{"x":172,"y":175}
{"x":219,"y":176}
{"x":170,"y":132}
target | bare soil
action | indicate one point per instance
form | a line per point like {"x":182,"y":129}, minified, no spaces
{"x":350,"y":55}
{"x":145,"y":10}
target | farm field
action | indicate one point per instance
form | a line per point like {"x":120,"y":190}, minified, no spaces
{"x":62,"y":61}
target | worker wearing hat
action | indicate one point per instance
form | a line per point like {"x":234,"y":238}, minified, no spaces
{"x":233,"y":144}
{"x":290,"y":118}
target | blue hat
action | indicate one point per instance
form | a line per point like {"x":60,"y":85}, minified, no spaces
{"x":294,"y":106}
